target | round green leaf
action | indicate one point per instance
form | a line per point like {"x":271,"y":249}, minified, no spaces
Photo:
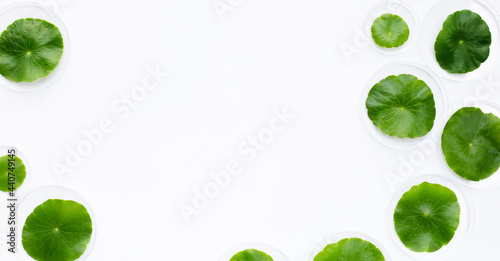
{"x":57,"y":230}
{"x":402,"y":106}
{"x":350,"y":249}
{"x":390,"y":30}
{"x":13,"y":165}
{"x":251,"y":255}
{"x":471,"y":143}
{"x":426,"y":217}
{"x":464,"y":42}
{"x":30,"y":49}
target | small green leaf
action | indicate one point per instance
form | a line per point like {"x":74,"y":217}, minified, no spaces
{"x":350,"y":249}
{"x":402,"y":106}
{"x":30,"y":49}
{"x":471,"y":143}
{"x":251,"y":255}
{"x":464,"y":43}
{"x":390,"y":30}
{"x":13,"y":165}
{"x":57,"y":230}
{"x":426,"y":217}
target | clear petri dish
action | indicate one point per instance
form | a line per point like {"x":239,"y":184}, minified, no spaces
{"x":271,"y":251}
{"x":348,"y":234}
{"x":433,"y":24}
{"x":11,"y":150}
{"x":489,"y":183}
{"x":440,"y":99}
{"x":13,"y":12}
{"x":461,"y":234}
{"x":401,"y":9}
{"x":38,"y":196}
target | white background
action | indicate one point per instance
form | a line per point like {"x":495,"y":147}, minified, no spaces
{"x":323,"y":174}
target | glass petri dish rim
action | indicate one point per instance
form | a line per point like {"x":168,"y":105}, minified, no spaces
{"x":52,"y":189}
{"x":463,"y":232}
{"x":440,"y":99}
{"x":491,"y":182}
{"x":276,"y":254}
{"x":428,"y":37}
{"x":21,"y":9}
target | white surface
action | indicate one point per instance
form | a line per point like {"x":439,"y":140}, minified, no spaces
{"x":322,"y":174}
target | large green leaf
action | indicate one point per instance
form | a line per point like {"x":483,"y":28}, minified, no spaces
{"x":464,"y":42}
{"x":390,"y":30}
{"x":251,"y":255}
{"x":30,"y":49}
{"x":13,"y":165}
{"x":426,"y":217}
{"x":471,"y":143}
{"x":57,"y":230}
{"x":402,"y":106}
{"x":350,"y":249}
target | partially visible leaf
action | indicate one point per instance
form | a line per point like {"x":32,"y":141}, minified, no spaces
{"x":464,"y":43}
{"x":390,"y":30}
{"x":471,"y":143}
{"x":402,"y":106}
{"x":251,"y":255}
{"x":350,"y":249}
{"x":426,"y":217}
{"x":15,"y":166}
{"x":30,"y":49}
{"x":57,"y":230}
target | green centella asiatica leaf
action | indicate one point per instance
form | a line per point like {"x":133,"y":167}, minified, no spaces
{"x":30,"y":49}
{"x":57,"y":230}
{"x":390,"y":30}
{"x":464,"y":42}
{"x":12,"y":169}
{"x":471,"y":143}
{"x":402,"y":106}
{"x":251,"y":255}
{"x":426,"y":217}
{"x":350,"y":249}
